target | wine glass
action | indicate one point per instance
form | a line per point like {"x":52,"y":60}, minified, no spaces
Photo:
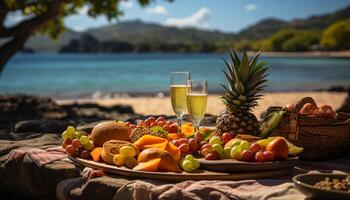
{"x":178,"y":91}
{"x":197,"y":95}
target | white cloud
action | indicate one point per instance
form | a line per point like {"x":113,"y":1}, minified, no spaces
{"x":83,"y":10}
{"x":126,"y":4}
{"x":199,"y":19}
{"x":79,"y":28}
{"x":250,"y":7}
{"x":158,"y":10}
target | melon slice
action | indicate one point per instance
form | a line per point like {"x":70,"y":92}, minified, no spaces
{"x":148,"y":140}
{"x":149,"y":166}
{"x":96,"y":154}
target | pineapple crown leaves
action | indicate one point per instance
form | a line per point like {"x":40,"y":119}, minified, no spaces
{"x":246,"y":80}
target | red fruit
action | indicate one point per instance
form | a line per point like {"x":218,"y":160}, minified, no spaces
{"x":169,"y":123}
{"x":166,"y":127}
{"x":325,"y":111}
{"x":152,"y":124}
{"x":151,"y":120}
{"x":85,"y":154}
{"x":259,"y":156}
{"x":202,"y":143}
{"x":247,"y":155}
{"x":127,"y":123}
{"x":184,"y":148}
{"x":279,"y":148}
{"x":290,"y":106}
{"x":212,"y":156}
{"x":255,"y":148}
{"x":268,"y":155}
{"x":207,"y":146}
{"x":194,"y":146}
{"x":160,"y":119}
{"x":176,"y":142}
{"x":205,"y":152}
{"x":173,"y":128}
{"x":226,"y":137}
{"x":198,"y":136}
{"x":66,"y":143}
{"x":76,"y":143}
{"x":160,"y":123}
{"x":183,"y":141}
{"x":308,"y":109}
{"x":146,"y":122}
{"x":132,"y":126}
{"x":71,"y":150}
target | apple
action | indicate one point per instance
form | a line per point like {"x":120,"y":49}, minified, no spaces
{"x":308,"y":109}
{"x":255,"y":147}
{"x":279,"y":148}
{"x":259,"y":156}
{"x":269,"y":156}
{"x":247,"y":155}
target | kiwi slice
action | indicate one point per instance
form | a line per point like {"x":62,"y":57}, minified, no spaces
{"x":270,"y":123}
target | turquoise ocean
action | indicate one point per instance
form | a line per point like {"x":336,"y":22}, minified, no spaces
{"x":85,"y":75}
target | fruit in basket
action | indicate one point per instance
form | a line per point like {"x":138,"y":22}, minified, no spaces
{"x":167,"y":161}
{"x":290,"y":106}
{"x":279,"y":148}
{"x":109,"y":130}
{"x":111,"y":148}
{"x":141,"y":131}
{"x":325,"y":111}
{"x":308,"y":109}
{"x":246,"y":79}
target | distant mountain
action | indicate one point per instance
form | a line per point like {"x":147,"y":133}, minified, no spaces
{"x":138,"y":32}
{"x":267,"y":27}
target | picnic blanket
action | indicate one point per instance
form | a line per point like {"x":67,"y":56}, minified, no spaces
{"x":282,"y":188}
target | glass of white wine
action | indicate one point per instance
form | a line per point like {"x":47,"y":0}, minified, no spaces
{"x":197,"y":95}
{"x":178,"y":91}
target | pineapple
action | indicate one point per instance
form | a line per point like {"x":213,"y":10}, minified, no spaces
{"x":246,"y":80}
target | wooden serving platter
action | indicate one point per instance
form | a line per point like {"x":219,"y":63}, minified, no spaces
{"x":230,"y":165}
{"x":198,"y":175}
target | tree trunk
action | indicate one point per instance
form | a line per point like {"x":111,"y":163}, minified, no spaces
{"x":20,"y":33}
{"x":10,"y":48}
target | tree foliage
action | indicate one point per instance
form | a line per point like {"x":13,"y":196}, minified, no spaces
{"x":46,"y":16}
{"x":337,"y":36}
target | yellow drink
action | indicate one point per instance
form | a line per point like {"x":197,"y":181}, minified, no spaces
{"x":178,"y":98}
{"x":197,"y":104}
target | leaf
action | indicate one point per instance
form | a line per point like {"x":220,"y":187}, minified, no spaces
{"x":159,"y":129}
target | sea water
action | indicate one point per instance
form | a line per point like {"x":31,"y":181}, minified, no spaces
{"x":74,"y":75}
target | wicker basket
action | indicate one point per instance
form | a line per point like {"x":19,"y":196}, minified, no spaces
{"x":321,"y":138}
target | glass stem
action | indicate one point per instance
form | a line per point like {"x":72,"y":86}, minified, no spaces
{"x":179,"y":122}
{"x":196,"y":126}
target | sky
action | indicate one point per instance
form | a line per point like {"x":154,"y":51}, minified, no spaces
{"x":223,"y":15}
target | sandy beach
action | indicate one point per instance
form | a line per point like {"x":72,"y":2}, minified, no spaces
{"x":162,"y":105}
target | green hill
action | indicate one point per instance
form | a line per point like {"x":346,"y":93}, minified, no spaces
{"x":155,"y":37}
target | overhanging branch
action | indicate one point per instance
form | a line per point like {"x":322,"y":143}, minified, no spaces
{"x":32,"y":24}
